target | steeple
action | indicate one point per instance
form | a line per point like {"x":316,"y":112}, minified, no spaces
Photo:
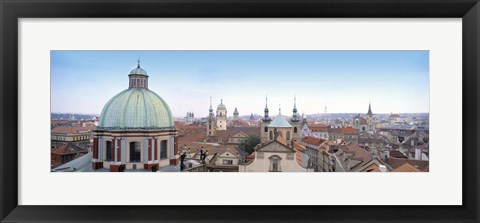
{"x":369,"y":113}
{"x":235,"y":113}
{"x":294,"y":104}
{"x":295,"y":117}
{"x":266,"y":118}
{"x":210,"y":110}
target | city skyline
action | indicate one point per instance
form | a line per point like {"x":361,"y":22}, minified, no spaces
{"x":344,"y":81}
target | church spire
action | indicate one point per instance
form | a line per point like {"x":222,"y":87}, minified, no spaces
{"x":211,"y":103}
{"x":295,"y":116}
{"x":266,"y":118}
{"x":369,"y":113}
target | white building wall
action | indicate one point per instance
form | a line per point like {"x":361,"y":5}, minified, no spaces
{"x":263,"y":165}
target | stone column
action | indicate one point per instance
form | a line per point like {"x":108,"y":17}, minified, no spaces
{"x":95,"y":147}
{"x":114,"y":149}
{"x":100,"y":148}
{"x":145,"y":150}
{"x":171,"y":152}
{"x":150,"y":143}
{"x":123,"y":149}
{"x":155,"y":148}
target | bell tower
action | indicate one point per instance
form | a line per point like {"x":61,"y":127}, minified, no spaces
{"x":265,"y":122}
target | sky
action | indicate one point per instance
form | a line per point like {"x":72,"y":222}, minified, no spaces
{"x":342,"y":81}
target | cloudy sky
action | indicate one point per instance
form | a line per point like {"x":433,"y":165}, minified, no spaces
{"x":344,"y":81}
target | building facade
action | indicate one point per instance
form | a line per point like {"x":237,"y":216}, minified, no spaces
{"x":221,"y":116}
{"x":289,"y":130}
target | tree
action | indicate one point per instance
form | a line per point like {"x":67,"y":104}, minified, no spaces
{"x":249,"y":144}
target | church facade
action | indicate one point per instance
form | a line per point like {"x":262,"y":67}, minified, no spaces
{"x":365,"y":124}
{"x":289,"y":130}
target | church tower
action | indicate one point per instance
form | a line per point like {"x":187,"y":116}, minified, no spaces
{"x":221,"y":116}
{"x":235,"y":114}
{"x":370,"y":119}
{"x":211,"y":124}
{"x":265,"y":122}
{"x":295,"y":121}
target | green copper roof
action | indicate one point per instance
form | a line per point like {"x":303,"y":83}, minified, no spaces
{"x":136,"y":108}
{"x":138,"y":70}
{"x":280,"y":122}
{"x":221,"y":106}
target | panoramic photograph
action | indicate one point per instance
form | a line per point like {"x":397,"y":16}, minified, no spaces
{"x":239,"y":111}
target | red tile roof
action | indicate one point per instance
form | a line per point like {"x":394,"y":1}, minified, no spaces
{"x":318,"y":127}
{"x":397,"y":162}
{"x":298,"y":147}
{"x":72,"y":130}
{"x":313,"y":140}
{"x":397,"y":154}
{"x":407,"y":167}
{"x":68,"y":149}
{"x":349,"y":131}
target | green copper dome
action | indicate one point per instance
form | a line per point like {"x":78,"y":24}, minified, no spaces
{"x":136,"y":108}
{"x":221,"y":106}
{"x":138,"y":70}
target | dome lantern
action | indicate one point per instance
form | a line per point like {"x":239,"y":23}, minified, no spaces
{"x":138,"y":77}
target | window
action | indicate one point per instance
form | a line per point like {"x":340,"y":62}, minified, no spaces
{"x":295,"y":130}
{"x":109,"y":156}
{"x":163,"y":149}
{"x":227,"y":162}
{"x":275,"y":163}
{"x":135,"y":151}
{"x":265,"y":129}
{"x":271,"y":135}
{"x":288,"y":135}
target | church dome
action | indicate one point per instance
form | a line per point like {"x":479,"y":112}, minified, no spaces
{"x":138,"y":70}
{"x":221,"y":106}
{"x":136,"y":108}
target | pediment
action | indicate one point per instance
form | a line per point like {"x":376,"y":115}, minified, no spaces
{"x":275,"y":146}
{"x":240,"y":135}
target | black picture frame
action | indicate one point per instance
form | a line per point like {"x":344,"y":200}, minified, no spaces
{"x":11,"y":11}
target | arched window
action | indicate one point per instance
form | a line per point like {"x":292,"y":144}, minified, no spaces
{"x":135,"y":152}
{"x":266,"y":129}
{"x":275,"y":163}
{"x":163,"y":149}
{"x":288,"y":135}
{"x":295,"y":130}
{"x":271,"y":135}
{"x":109,"y":156}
